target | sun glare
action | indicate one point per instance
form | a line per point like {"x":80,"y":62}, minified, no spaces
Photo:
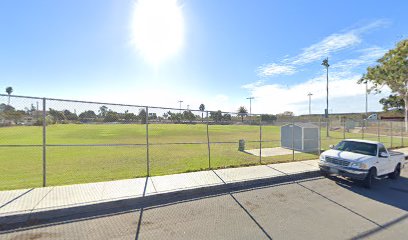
{"x":157,"y":29}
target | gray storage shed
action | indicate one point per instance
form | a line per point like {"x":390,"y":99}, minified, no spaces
{"x":306,"y":137}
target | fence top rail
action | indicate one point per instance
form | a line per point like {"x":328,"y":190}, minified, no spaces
{"x":122,"y":105}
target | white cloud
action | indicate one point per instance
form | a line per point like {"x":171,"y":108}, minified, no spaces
{"x":368,"y":56}
{"x":331,"y":44}
{"x":252,"y":85}
{"x":276,"y":98}
{"x":276,"y":69}
{"x":345,"y":95}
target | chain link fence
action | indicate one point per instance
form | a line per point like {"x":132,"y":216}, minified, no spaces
{"x":47,"y":141}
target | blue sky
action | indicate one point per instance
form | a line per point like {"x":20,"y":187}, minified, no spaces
{"x":219,"y":52}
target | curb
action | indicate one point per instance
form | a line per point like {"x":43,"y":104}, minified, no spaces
{"x":52,"y":217}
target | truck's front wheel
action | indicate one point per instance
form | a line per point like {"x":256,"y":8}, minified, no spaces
{"x":368,"y":181}
{"x":396,"y":173}
{"x":324,"y":173}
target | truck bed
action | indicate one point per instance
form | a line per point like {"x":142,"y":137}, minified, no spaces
{"x":394,"y":153}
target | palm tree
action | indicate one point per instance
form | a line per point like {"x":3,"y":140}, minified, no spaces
{"x":202,"y":108}
{"x":9,"y":90}
{"x":242,"y":111}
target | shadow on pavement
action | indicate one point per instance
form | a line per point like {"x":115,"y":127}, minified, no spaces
{"x":387,"y":191}
{"x":245,"y":210}
{"x":14,"y":199}
{"x":139,"y":223}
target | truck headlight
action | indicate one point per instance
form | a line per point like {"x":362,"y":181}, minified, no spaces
{"x":322,"y":158}
{"x":359,"y":165}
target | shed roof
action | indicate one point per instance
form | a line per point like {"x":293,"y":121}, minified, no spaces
{"x":303,"y":125}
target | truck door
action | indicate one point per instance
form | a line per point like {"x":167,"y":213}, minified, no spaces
{"x":383,"y":163}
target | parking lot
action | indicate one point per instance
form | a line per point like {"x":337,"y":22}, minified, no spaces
{"x":316,"y":208}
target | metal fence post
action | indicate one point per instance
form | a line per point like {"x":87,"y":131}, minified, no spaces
{"x":344,"y":129}
{"x":44,"y":153}
{"x":293,"y":139}
{"x":260,"y":139}
{"x":402,"y":134}
{"x":378,"y":129}
{"x":362,"y":128}
{"x":327,"y":127}
{"x":147,"y":142}
{"x":208,"y":144}
{"x":391,"y":132}
{"x":320,"y":136}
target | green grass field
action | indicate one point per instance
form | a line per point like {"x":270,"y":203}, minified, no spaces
{"x":21,"y":167}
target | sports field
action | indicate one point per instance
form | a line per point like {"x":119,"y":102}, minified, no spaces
{"x":173,"y":148}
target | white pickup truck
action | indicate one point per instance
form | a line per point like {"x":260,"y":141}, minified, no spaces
{"x":361,"y":160}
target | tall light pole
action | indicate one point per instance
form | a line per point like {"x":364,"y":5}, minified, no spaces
{"x":250,"y":105}
{"x":180,"y":101}
{"x":310,"y":103}
{"x":366,"y":103}
{"x":326,"y":64}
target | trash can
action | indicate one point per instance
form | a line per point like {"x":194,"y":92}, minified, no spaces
{"x":241,"y":146}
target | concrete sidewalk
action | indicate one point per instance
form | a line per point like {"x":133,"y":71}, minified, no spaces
{"x":26,"y":202}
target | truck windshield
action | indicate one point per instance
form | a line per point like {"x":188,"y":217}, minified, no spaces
{"x":357,"y":147}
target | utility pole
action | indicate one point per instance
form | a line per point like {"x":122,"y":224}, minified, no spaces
{"x":180,"y":101}
{"x":310,"y":103}
{"x":326,"y":64}
{"x":250,"y":105}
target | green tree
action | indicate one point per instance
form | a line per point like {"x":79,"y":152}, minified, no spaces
{"x":30,"y":110}
{"x":242,"y":111}
{"x":87,"y":115}
{"x":111,"y":116}
{"x":10,"y":113}
{"x":175,"y":117}
{"x":58,"y":116}
{"x":15,"y":116}
{"x":216,"y":116}
{"x":202,"y":108}
{"x":142,"y":115}
{"x":9,"y":90}
{"x":227,"y":117}
{"x":393,"y":102}
{"x":129,"y":116}
{"x":4,"y":108}
{"x":188,"y":115}
{"x":103,"y":110}
{"x":268,"y":118}
{"x":391,"y":70}
{"x":70,"y":115}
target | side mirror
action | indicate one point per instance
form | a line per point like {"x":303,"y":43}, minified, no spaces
{"x":384,"y":155}
{"x":331,"y":146}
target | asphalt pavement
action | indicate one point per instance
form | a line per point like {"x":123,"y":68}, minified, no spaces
{"x":310,"y":208}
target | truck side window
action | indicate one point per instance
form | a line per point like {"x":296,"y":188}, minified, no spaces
{"x":381,"y":149}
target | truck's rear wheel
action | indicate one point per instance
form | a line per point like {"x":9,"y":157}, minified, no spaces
{"x":396,"y":173}
{"x":368,"y":181}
